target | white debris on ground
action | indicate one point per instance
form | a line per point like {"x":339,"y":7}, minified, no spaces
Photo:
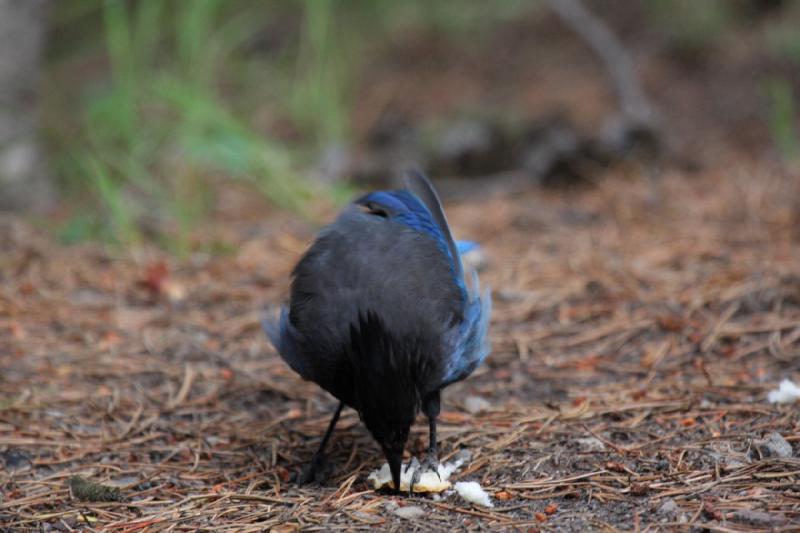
{"x":428,"y":482}
{"x":476,"y":404}
{"x":787,"y":392}
{"x":473,"y":492}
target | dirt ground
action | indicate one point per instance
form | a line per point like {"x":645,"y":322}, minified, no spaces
{"x":638,"y":326}
{"x":639,"y":323}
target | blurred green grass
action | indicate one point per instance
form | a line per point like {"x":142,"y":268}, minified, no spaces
{"x":155,"y":132}
{"x":153,"y":106}
{"x":782,"y":117}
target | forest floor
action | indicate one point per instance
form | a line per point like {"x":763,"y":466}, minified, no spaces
{"x":638,"y":326}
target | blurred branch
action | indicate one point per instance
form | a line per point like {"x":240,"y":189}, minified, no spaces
{"x":638,"y":116}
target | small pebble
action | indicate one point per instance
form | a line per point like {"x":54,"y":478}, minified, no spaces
{"x":668,"y":508}
{"x":591,"y":444}
{"x":775,"y":446}
{"x":410,"y":512}
{"x":476,"y":404}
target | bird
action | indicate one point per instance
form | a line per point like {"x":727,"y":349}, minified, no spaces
{"x":382,"y":316}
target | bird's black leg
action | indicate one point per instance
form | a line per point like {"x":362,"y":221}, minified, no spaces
{"x":433,"y":449}
{"x":314,"y":470}
{"x":431,"y":406}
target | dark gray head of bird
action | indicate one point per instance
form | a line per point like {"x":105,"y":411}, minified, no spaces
{"x":388,"y":402}
{"x":392,"y":443}
{"x":388,"y":407}
{"x":389,"y":417}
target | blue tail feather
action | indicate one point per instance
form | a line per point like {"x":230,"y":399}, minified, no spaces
{"x":284,"y":338}
{"x":470,"y":342}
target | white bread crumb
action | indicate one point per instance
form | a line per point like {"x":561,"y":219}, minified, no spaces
{"x":472,"y":492}
{"x":787,"y":392}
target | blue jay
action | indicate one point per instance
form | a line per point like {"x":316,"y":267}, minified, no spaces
{"x":382,"y":317}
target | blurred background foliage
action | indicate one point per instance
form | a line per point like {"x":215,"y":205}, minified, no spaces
{"x":151,"y":106}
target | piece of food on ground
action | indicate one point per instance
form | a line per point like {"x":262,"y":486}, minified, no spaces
{"x":428,"y":482}
{"x":474,"y":493}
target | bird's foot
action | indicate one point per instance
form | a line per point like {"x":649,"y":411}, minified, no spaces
{"x":316,"y":471}
{"x":413,"y":463}
{"x":430,"y":463}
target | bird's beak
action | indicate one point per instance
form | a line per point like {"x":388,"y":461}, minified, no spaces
{"x":395,"y":460}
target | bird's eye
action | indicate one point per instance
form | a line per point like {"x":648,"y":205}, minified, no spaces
{"x":374,"y":209}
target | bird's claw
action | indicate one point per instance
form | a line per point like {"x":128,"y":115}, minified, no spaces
{"x":431,"y":462}
{"x":414,"y":462}
{"x":316,"y":471}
